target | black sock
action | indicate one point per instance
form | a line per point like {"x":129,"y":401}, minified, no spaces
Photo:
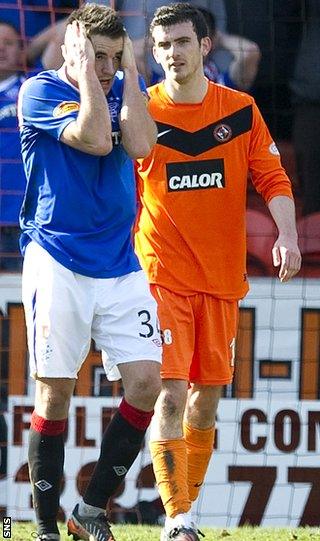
{"x":46,"y":458}
{"x":120,"y":446}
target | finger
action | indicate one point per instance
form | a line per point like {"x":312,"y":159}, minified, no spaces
{"x":283,"y":272}
{"x":81,"y":29}
{"x":276,"y":256}
{"x":284,"y":262}
{"x":292,"y":266}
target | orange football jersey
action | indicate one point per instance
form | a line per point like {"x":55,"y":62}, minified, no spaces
{"x":191,"y":231}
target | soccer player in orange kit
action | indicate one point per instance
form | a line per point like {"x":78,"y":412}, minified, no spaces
{"x":191,"y":240}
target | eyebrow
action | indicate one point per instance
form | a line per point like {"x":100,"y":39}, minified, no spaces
{"x":177,"y":39}
{"x":103,"y":52}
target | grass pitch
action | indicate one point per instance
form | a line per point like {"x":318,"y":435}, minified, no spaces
{"x":22,"y":531}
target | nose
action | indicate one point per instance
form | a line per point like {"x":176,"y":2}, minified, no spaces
{"x":107,"y":67}
{"x":172,"y":51}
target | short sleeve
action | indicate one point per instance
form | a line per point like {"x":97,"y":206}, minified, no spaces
{"x":46,"y":105}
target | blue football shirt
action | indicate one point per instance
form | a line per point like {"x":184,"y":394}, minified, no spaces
{"x":78,"y":207}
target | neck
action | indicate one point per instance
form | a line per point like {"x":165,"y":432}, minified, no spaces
{"x":188,"y":91}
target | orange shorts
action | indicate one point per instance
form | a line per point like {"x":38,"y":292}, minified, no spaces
{"x":198,"y":336}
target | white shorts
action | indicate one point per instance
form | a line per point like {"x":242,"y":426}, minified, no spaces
{"x":64,"y":310}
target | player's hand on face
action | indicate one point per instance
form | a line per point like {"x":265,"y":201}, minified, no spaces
{"x":128,"y":59}
{"x":286,"y":255}
{"x":78,"y":50}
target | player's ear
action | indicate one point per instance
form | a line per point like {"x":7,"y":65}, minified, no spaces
{"x":206,"y":46}
{"x":155,"y":55}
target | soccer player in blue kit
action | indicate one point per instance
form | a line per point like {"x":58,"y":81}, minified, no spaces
{"x":80,"y":128}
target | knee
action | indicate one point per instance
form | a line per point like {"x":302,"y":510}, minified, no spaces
{"x":52,"y":404}
{"x":144,"y":391}
{"x":171,"y":404}
{"x":202,"y":405}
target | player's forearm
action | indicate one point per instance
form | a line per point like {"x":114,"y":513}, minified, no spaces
{"x":282,"y":210}
{"x":139,"y":132}
{"x":93,"y":122}
{"x":246,"y":58}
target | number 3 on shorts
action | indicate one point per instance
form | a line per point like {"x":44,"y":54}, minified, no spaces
{"x":145,"y":318}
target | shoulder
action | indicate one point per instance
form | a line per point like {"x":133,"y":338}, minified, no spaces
{"x":45,"y":85}
{"x":43,"y":78}
{"x":230,"y":94}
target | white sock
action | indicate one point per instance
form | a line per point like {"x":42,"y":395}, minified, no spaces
{"x":183,"y":519}
{"x":86,"y":510}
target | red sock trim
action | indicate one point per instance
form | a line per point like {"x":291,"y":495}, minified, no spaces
{"x":138,"y":418}
{"x":46,"y":427}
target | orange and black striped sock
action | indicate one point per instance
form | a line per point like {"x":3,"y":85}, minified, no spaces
{"x":199,"y":450}
{"x":169,"y":458}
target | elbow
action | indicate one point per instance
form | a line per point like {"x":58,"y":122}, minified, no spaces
{"x":101,"y":148}
{"x":140,"y":152}
{"x":145,"y":149}
{"x":140,"y":149}
{"x":252,"y":55}
{"x":106,"y":148}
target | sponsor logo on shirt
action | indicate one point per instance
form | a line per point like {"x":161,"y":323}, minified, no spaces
{"x":273,"y":149}
{"x":199,"y":175}
{"x":222,"y":133}
{"x":114,"y":109}
{"x":65,"y":107}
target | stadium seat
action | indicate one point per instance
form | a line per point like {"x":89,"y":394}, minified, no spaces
{"x":261,"y":235}
{"x":309,"y":242}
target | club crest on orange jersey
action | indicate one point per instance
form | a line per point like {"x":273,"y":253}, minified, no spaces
{"x":222,"y":133}
{"x":65,"y":107}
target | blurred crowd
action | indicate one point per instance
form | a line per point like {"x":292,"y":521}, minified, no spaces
{"x":268,"y":49}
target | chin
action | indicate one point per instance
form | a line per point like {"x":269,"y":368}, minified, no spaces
{"x":177,"y":78}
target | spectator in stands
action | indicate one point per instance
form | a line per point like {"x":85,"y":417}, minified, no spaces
{"x":12,"y":178}
{"x":45,"y":47}
{"x":245,"y":56}
{"x":305,"y":87}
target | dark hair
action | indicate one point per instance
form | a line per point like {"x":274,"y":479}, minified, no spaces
{"x":98,"y":19}
{"x":210,"y":20}
{"x":180,"y":12}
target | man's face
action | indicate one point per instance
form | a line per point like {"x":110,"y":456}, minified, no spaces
{"x":10,"y":51}
{"x":178,"y":51}
{"x":108,"y":54}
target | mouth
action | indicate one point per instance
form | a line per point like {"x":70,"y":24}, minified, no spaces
{"x":177,"y":65}
{"x":105,"y":82}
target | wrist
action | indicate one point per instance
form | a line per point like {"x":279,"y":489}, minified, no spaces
{"x":131,"y":72}
{"x":292,"y":235}
{"x":86,"y":66}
